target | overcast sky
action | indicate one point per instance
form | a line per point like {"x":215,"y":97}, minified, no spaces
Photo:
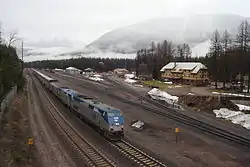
{"x":86,"y":20}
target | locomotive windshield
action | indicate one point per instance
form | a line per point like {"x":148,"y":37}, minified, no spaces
{"x":114,"y":114}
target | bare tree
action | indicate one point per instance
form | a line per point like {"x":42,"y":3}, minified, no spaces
{"x":242,"y":41}
{"x":1,"y":31}
{"x":240,"y":36}
{"x":215,"y":51}
{"x":187,"y":51}
{"x":12,"y":37}
{"x":180,"y":53}
{"x":226,"y":43}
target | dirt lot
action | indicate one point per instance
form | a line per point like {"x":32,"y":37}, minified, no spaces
{"x":207,"y":103}
{"x":26,"y":118}
{"x":193,"y":149}
{"x":14,"y":149}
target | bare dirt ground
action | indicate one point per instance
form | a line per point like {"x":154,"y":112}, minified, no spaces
{"x":193,"y":148}
{"x":50,"y":148}
{"x":202,"y":91}
{"x":87,"y":132}
{"x":14,"y":149}
{"x":202,"y":108}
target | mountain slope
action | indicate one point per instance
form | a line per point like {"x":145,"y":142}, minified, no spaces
{"x":193,"y":30}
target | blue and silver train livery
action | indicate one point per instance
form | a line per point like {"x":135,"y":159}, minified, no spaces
{"x":108,"y":120}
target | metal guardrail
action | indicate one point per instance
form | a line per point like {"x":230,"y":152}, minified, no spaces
{"x":5,"y":103}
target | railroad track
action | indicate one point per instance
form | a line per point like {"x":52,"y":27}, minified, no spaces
{"x":91,"y":155}
{"x":183,"y":118}
{"x":136,"y":155}
{"x":180,"y":117}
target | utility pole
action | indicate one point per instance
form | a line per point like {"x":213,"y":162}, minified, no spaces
{"x":22,"y":56}
{"x":125,"y":63}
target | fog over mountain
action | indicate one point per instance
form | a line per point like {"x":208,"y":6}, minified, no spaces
{"x":195,"y":30}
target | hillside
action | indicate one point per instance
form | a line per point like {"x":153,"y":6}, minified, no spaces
{"x":195,"y":30}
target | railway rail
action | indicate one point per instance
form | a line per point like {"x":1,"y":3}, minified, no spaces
{"x":92,"y":156}
{"x":177,"y":116}
{"x":136,"y":154}
{"x":187,"y":120}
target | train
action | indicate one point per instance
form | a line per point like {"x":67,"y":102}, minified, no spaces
{"x":107,"y":120}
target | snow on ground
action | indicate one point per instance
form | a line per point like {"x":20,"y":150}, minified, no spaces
{"x":168,"y":82}
{"x":97,"y":75}
{"x":130,"y":81}
{"x":245,"y":90}
{"x":190,"y":94}
{"x":201,"y":49}
{"x":243,"y":107}
{"x":96,"y":78}
{"x":161,"y":95}
{"x":176,"y":86}
{"x":138,"y":124}
{"x":138,"y":85}
{"x":130,"y":76}
{"x":230,"y":94}
{"x":236,"y":117}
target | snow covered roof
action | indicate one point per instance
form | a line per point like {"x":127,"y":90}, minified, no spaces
{"x":89,"y":69}
{"x":72,"y":68}
{"x":178,"y":66}
{"x":45,"y":76}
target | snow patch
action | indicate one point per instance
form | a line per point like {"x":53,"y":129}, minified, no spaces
{"x":130,"y":76}
{"x":245,"y":91}
{"x":236,"y":117}
{"x":190,"y":94}
{"x":138,"y":124}
{"x":231,"y":94}
{"x":243,"y":107}
{"x":168,"y":82}
{"x":130,"y":81}
{"x":138,"y":85}
{"x":161,"y":95}
{"x":96,"y":78}
{"x":176,"y":86}
{"x":97,"y":75}
{"x":201,"y":49}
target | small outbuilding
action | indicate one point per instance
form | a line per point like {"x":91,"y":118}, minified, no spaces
{"x":73,"y":70}
{"x":88,"y":70}
{"x":120,"y":72}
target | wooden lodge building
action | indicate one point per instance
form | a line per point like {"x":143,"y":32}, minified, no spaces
{"x":193,"y":73}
